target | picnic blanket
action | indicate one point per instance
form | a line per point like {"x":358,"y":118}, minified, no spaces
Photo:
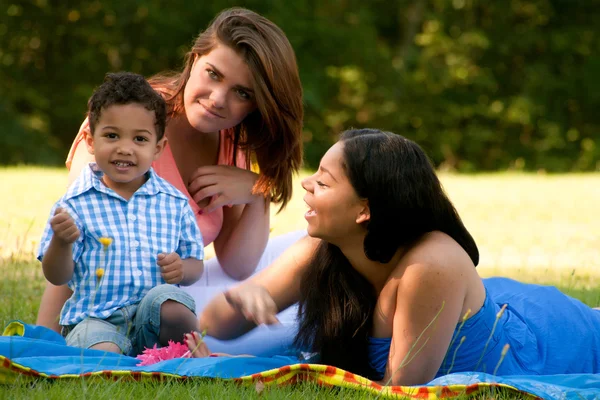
{"x":30,"y":352}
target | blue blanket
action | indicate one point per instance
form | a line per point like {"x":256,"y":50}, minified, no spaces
{"x":39,"y":353}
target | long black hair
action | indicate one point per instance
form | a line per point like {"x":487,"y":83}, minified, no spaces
{"x":406,"y":200}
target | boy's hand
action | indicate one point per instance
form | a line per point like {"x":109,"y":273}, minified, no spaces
{"x":171,"y":267}
{"x":63,"y":226}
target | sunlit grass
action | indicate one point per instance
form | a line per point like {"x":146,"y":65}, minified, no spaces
{"x":29,"y":193}
{"x":527,"y":222}
{"x":541,"y":224}
{"x":202,"y":389}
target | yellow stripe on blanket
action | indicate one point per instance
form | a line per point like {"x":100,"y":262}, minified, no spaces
{"x":330,"y":376}
{"x":15,"y":328}
{"x":323,"y":375}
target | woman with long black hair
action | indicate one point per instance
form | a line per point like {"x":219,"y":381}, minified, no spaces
{"x":387,"y":285}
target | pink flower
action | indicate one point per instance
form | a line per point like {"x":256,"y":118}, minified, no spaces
{"x":158,"y":354}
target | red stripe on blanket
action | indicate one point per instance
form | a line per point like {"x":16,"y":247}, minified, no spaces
{"x":350,"y":377}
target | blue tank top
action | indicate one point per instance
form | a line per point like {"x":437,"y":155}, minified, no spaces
{"x":547,"y":331}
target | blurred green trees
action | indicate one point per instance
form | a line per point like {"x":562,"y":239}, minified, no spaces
{"x":481,"y":85}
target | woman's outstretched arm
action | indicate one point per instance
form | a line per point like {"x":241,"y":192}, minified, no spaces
{"x":258,"y":299}
{"x":53,"y":299}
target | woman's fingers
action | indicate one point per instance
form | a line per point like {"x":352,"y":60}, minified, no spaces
{"x":201,"y":182}
{"x":206,"y":170}
{"x":204,"y":193}
{"x":261,"y":311}
{"x":233,"y":299}
{"x":215,"y":203}
{"x":267,"y":318}
{"x":210,"y":175}
{"x":255,"y":305}
{"x":223,"y":185}
{"x":236,"y":301}
{"x":267,"y":313}
{"x":196,"y":345}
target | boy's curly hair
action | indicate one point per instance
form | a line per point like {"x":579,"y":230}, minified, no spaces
{"x":127,"y":88}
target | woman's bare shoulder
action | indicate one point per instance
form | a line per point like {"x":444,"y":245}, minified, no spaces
{"x":437,"y":249}
{"x":435,"y":263}
{"x":434,"y":257}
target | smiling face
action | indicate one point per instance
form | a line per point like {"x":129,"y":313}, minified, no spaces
{"x":125,"y":144}
{"x":219,"y":92}
{"x":335,"y":210}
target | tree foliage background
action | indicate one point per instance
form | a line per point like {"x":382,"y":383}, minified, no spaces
{"x":481,"y":85}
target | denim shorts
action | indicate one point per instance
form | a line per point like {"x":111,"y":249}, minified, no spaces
{"x":131,"y":328}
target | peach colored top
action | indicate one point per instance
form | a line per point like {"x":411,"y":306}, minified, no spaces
{"x":210,"y":224}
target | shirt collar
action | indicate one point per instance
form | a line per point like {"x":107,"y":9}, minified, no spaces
{"x":91,"y":178}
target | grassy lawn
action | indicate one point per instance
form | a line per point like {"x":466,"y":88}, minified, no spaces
{"x":535,"y":228}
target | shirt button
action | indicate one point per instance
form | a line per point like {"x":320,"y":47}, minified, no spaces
{"x":135,"y":243}
{"x":137,"y":273}
{"x":132,"y":217}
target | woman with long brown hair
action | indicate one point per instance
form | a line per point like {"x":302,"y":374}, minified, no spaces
{"x":234,"y":142}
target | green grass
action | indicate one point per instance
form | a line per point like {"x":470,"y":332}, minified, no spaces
{"x":199,"y":389}
{"x":535,"y":228}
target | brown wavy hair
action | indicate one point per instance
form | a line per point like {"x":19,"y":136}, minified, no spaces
{"x":273,"y":132}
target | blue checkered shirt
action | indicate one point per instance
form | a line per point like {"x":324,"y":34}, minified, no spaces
{"x":156,"y":219}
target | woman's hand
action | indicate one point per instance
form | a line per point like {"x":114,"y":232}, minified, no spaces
{"x":195,"y":343}
{"x":254,"y":302}
{"x":226,"y":185}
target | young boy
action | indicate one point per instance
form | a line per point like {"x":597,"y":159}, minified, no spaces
{"x":121,"y":232}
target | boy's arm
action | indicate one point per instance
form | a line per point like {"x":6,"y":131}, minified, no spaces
{"x":179,"y":271}
{"x":57,"y":261}
{"x":192,"y":271}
